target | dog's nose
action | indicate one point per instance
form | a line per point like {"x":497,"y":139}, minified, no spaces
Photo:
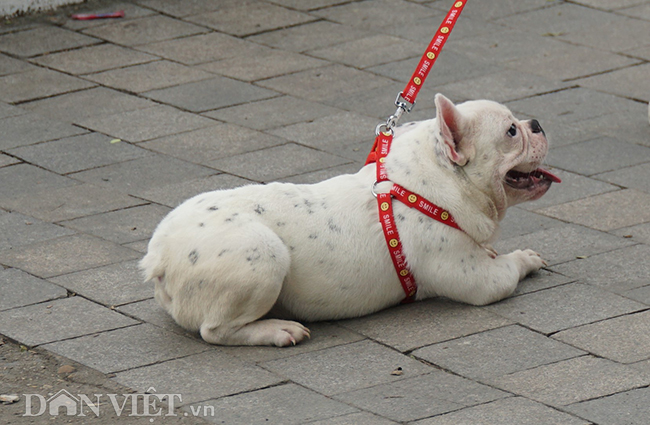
{"x":536,"y":127}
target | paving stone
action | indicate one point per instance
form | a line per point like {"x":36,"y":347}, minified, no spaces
{"x":20,"y":289}
{"x":210,"y":94}
{"x":573,"y":380}
{"x":189,"y":7}
{"x":641,"y":11}
{"x":145,"y":124}
{"x":573,"y":187}
{"x":629,"y":408}
{"x":149,"y":76}
{"x":299,"y":405}
{"x":608,"y":5}
{"x":199,"y":377}
{"x":325,"y":83}
{"x":151,"y":312}
{"x":434,"y":393}
{"x":415,"y":325}
{"x":359,"y":365}
{"x":362,"y":418}
{"x":623,"y":33}
{"x":21,"y":87}
{"x":623,"y":82}
{"x":20,"y":230}
{"x":7,"y":110}
{"x":564,"y":243}
{"x":94,"y":59}
{"x":506,"y":411}
{"x":202,"y":48}
{"x":521,"y":222}
{"x":9,"y":65}
{"x":65,"y":203}
{"x":623,"y":339}
{"x":542,"y":279}
{"x":330,"y":132}
{"x":274,"y":163}
{"x":127,"y":348}
{"x":276,"y":62}
{"x":173,"y":195}
{"x":131,"y":11}
{"x":309,"y":4}
{"x":59,"y":319}
{"x":110,"y":285}
{"x":605,"y":212}
{"x":306,"y":37}
{"x":66,"y":254}
{"x":78,"y":153}
{"x":82,"y":105}
{"x":40,"y":40}
{"x":369,"y":51}
{"x":21,"y":178}
{"x":287,"y":110}
{"x":632,"y":177}
{"x":141,"y":175}
{"x":597,"y":156}
{"x":145,"y":30}
{"x":564,"y":307}
{"x":7,"y":160}
{"x":366,"y":15}
{"x":637,"y":233}
{"x":122,"y":226}
{"x":503,"y":351}
{"x":212,"y":143}
{"x":28,"y":129}
{"x":247,"y":19}
{"x":617,"y":271}
{"x":502,"y":86}
{"x":323,"y":335}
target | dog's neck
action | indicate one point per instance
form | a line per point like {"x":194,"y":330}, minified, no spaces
{"x":441,"y":182}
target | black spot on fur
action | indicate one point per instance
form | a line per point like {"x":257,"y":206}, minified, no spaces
{"x":313,"y":236}
{"x":253,"y":255}
{"x":213,"y":208}
{"x":193,"y":257}
{"x":333,"y":227}
{"x":201,"y":224}
{"x":280,"y":223}
{"x":259,"y":209}
{"x":223,"y":251}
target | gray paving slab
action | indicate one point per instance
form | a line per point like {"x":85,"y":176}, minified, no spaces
{"x":95,"y":102}
{"x":7,"y":110}
{"x":19,"y":230}
{"x":20,"y":87}
{"x":252,"y":18}
{"x":150,"y":311}
{"x":408,"y":327}
{"x":287,"y":110}
{"x":201,"y":96}
{"x":127,"y":348}
{"x":59,"y":319}
{"x":7,"y":160}
{"x":77,"y":153}
{"x":68,"y":202}
{"x":519,"y":222}
{"x":20,"y":289}
{"x":573,"y":380}
{"x":42,"y":40}
{"x":202,"y":48}
{"x":623,"y":339}
{"x":260,"y":407}
{"x":28,"y":129}
{"x":20,"y":178}
{"x":366,"y":15}
{"x":632,"y":177}
{"x":9,"y":65}
{"x":144,"y":30}
{"x":638,"y":233}
{"x":274,"y":163}
{"x":431,"y":394}
{"x":93,"y":59}
{"x":362,"y":418}
{"x":630,"y":408}
{"x":111,"y":285}
{"x":505,"y":350}
{"x":564,"y":307}
{"x":199,"y":377}
{"x":617,"y":271}
{"x":121,"y":226}
{"x":621,"y":82}
{"x":64,"y":255}
{"x":359,"y":365}
{"x":507,"y":411}
{"x":145,"y":124}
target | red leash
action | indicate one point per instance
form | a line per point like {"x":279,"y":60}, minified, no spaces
{"x":405,"y":102}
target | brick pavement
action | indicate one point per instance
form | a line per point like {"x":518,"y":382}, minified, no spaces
{"x":214,"y":94}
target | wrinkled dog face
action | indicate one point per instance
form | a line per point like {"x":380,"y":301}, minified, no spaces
{"x":497,"y":152}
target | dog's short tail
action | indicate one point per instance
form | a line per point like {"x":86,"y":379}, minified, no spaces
{"x":152,"y":265}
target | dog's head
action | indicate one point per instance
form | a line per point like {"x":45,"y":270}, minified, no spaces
{"x":498,"y":153}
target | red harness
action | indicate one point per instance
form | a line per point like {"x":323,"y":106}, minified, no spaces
{"x":405,"y":101}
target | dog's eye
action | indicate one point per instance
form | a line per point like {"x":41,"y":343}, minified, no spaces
{"x":512,"y":131}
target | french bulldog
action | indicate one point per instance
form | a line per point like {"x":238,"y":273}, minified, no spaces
{"x":222,"y":260}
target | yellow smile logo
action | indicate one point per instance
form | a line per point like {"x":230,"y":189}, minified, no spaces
{"x":412,"y":199}
{"x":444,"y":215}
{"x":417,"y":81}
{"x":393,"y":243}
{"x":444,"y":30}
{"x":384,"y":206}
{"x":458,"y":4}
{"x":431,"y":55}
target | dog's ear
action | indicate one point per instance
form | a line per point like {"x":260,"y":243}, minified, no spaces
{"x":450,"y":122}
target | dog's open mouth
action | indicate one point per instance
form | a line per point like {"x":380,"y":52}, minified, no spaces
{"x":531,"y":180}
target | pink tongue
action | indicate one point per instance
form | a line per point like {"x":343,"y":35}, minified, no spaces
{"x":549,"y":175}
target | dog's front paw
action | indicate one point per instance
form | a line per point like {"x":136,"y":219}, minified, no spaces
{"x":529,"y":261}
{"x":289,"y":333}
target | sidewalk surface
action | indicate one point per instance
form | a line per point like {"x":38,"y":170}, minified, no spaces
{"x":106,"y":125}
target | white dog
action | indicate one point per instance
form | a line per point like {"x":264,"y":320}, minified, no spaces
{"x":222,"y":260}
